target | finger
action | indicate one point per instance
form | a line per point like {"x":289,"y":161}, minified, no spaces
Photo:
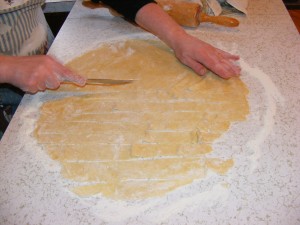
{"x":64,"y":74}
{"x":226,"y":70}
{"x":228,"y":55}
{"x":30,"y":90}
{"x":41,"y":86}
{"x":231,"y":67}
{"x":196,"y":66}
{"x":235,"y":69}
{"x":68,"y":75}
{"x":223,"y":66}
{"x":77,"y":79}
{"x":52,"y":83}
{"x":33,"y":85}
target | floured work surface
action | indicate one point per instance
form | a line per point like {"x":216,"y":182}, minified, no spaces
{"x":142,"y":139}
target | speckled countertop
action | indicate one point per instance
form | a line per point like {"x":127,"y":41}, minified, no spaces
{"x":264,"y":185}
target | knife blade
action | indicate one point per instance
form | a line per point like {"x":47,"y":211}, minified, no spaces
{"x":92,"y":81}
{"x":104,"y":82}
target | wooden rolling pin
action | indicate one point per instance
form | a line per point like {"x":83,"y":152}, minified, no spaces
{"x":190,"y":14}
{"x":184,"y":13}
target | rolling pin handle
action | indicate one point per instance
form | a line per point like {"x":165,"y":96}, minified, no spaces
{"x":220,"y":20}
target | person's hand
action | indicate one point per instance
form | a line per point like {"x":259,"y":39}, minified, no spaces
{"x":201,"y":56}
{"x":36,"y":73}
{"x":191,"y":51}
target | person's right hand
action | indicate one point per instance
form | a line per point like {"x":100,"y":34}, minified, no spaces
{"x":36,"y":73}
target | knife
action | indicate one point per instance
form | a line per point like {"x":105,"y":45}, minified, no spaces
{"x":92,"y":81}
{"x":104,"y":82}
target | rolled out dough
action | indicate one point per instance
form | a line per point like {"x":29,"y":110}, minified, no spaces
{"x":143,"y":139}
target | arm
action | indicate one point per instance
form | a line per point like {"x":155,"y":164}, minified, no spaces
{"x":35,"y":73}
{"x":191,"y":51}
{"x":127,"y":8}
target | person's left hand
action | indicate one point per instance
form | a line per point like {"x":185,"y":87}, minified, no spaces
{"x":201,"y":56}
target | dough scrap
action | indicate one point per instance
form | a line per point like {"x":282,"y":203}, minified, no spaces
{"x":142,"y":139}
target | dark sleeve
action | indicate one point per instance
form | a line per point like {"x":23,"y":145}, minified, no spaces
{"x":127,"y":8}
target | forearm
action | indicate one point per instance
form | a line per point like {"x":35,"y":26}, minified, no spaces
{"x":152,"y":18}
{"x":5,"y":68}
{"x":128,"y":8}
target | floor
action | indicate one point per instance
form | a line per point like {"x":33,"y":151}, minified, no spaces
{"x":295,"y":14}
{"x":56,"y":20}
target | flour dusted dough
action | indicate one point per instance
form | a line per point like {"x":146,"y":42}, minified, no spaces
{"x":143,"y":139}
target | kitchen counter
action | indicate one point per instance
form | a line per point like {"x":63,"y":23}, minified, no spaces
{"x":262,"y":188}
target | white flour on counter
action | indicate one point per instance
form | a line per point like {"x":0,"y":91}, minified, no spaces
{"x":273,"y":96}
{"x":159,"y":210}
